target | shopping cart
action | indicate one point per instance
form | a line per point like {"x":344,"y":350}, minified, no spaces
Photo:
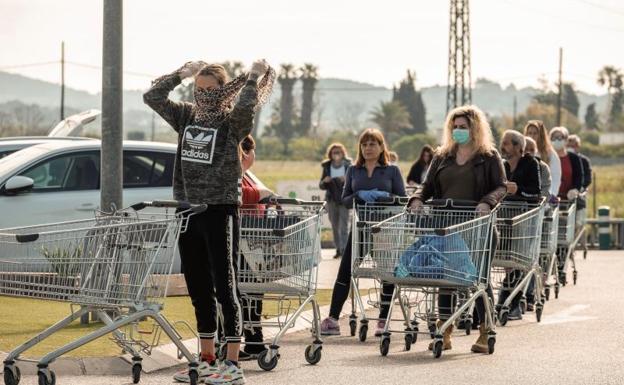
{"x":443,"y":248}
{"x":365,"y":215}
{"x":567,"y":240}
{"x":516,"y":260}
{"x":279,"y":255}
{"x":548,"y":249}
{"x":115,"y":265}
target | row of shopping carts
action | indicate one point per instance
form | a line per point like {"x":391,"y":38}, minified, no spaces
{"x":448,"y":249}
{"x":117,"y":266}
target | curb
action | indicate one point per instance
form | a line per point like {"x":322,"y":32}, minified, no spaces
{"x":162,"y":357}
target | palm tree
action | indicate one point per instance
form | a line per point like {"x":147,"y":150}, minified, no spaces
{"x":287,"y":79}
{"x":393,"y":118}
{"x":309,"y":78}
{"x":613,"y":79}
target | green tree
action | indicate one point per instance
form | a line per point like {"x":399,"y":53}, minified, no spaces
{"x":592,"y":120}
{"x":233,"y":68}
{"x":285,"y":129}
{"x":613,"y":79}
{"x":412,"y":100}
{"x":393,"y":119}
{"x":569,"y":98}
{"x":309,"y":78}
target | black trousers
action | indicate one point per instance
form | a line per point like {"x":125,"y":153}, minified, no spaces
{"x":208,"y":250}
{"x":343,"y":284}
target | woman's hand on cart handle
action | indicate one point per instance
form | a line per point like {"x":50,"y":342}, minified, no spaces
{"x":483,"y":208}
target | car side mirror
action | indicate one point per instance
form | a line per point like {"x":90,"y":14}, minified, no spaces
{"x":18,"y":184}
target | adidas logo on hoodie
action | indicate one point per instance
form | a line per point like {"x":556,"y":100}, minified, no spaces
{"x":198,"y":144}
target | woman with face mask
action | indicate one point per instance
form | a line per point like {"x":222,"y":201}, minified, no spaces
{"x":465,"y":167}
{"x":208,"y":171}
{"x":536,"y":130}
{"x":332,"y":181}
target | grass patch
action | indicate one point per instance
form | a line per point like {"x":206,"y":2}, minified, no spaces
{"x":22,"y":318}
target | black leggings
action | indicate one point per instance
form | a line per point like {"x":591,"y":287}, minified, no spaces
{"x":343,"y":284}
{"x":208,"y":251}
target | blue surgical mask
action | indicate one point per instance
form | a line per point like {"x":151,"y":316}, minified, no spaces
{"x":461,"y":135}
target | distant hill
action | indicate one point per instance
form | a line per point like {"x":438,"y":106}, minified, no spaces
{"x":336,"y":97}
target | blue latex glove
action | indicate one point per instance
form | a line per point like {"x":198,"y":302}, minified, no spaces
{"x":372,"y":195}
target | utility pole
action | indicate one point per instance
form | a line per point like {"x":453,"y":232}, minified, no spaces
{"x":62,"y":80}
{"x":515,"y":112}
{"x":112,"y":106}
{"x":459,"y":86}
{"x":559,"y":96}
{"x":153,"y":126}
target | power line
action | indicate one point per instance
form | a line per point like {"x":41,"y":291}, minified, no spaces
{"x":16,"y":66}
{"x":602,"y":6}
{"x":558,"y":16}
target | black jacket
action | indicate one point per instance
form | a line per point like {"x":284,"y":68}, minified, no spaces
{"x":587,"y":170}
{"x":335,"y":186}
{"x":488,"y":172}
{"x":526,"y":176}
{"x":416,"y":171}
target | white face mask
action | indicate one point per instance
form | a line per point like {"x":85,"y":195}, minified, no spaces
{"x":558,"y":144}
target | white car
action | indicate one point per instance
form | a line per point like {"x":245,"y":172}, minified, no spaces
{"x":13,"y":144}
{"x":60,"y":180}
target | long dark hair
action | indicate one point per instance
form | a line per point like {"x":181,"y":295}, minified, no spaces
{"x":426,"y":149}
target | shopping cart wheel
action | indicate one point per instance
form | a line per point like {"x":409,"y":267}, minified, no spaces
{"x":491,"y":343}
{"x":12,"y":375}
{"x":193,"y":376}
{"x":384,"y":345}
{"x":538,"y":312}
{"x":313,"y":354}
{"x":547,"y":293}
{"x":556,"y":291}
{"x":363,"y":332}
{"x":562,"y":279}
{"x":136,"y":373}
{"x":408,"y":342}
{"x":585,"y":254}
{"x":353,"y":327}
{"x":523,"y":305}
{"x":265,"y":363}
{"x":437,"y":349}
{"x":468,"y":324}
{"x":432,"y":329}
{"x":574,"y":276}
{"x":43,"y":377}
{"x":414,"y":335}
{"x":503,"y":317}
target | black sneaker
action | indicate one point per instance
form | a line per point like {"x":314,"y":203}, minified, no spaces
{"x":530,"y":306}
{"x":244,"y":356}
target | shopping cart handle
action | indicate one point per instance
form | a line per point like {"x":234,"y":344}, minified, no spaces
{"x":288,"y":201}
{"x":169,"y":204}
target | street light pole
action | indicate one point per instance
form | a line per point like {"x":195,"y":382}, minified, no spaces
{"x":112,"y":106}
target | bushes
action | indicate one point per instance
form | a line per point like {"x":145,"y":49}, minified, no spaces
{"x":408,"y":147}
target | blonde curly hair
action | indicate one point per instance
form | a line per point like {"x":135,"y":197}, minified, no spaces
{"x":480,"y":132}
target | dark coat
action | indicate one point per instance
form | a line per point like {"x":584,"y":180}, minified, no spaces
{"x":526,"y":176}
{"x":489,"y":178}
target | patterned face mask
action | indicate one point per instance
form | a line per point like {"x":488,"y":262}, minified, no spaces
{"x":212,"y":106}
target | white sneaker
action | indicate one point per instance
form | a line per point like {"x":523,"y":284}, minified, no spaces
{"x":204,"y":370}
{"x":230,"y":374}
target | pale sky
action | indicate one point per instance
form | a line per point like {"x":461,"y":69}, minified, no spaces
{"x":365,"y":40}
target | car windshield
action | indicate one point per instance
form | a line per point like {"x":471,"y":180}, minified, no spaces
{"x":9,"y":163}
